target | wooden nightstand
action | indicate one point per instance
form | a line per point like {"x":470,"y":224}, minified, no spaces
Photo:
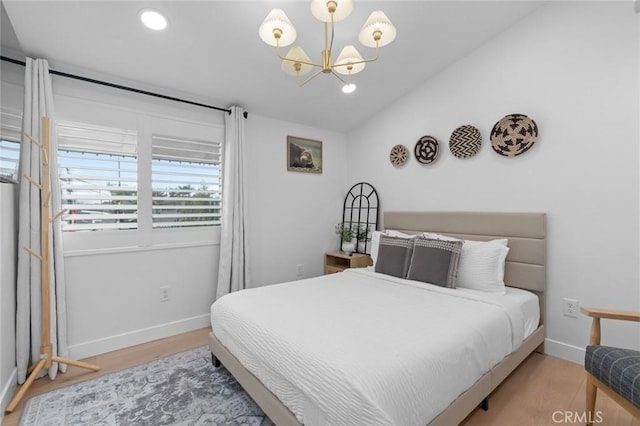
{"x":337,"y":261}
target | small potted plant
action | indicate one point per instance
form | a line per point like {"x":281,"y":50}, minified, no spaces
{"x":363,"y":234}
{"x":346,"y":233}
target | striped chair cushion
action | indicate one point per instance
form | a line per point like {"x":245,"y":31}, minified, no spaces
{"x":617,"y":368}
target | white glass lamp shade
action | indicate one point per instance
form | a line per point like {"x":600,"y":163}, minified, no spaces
{"x":320,"y":9}
{"x":348,"y":55}
{"x":296,"y":54}
{"x":277,"y":19}
{"x":377,"y":21}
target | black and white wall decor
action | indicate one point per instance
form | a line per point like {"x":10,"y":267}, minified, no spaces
{"x":426,"y":150}
{"x":465,"y":141}
{"x":513,"y":135}
{"x":399,"y":155}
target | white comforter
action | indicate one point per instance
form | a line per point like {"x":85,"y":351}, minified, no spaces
{"x":361,"y":348}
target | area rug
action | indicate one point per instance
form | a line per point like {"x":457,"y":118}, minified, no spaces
{"x":182,"y":389}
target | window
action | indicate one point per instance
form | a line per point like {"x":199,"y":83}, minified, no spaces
{"x":185,"y":182}
{"x":9,"y":156}
{"x":112,"y":179}
{"x":10,"y":129}
{"x":98,"y":177}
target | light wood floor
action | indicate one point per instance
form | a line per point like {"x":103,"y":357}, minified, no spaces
{"x":541,"y":386}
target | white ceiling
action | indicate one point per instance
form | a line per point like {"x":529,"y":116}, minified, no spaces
{"x":211,"y":50}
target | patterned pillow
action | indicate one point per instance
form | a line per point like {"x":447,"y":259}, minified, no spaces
{"x":435,"y":261}
{"x":394,"y":255}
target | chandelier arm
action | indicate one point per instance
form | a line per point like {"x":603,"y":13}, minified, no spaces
{"x":307,"y":80}
{"x":364,"y":61}
{"x":300,"y":62}
{"x":339,"y":78}
{"x":295,"y":60}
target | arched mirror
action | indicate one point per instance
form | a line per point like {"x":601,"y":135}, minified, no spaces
{"x":360,"y":212}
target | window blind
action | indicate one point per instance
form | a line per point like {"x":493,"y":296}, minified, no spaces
{"x":186,"y":182}
{"x":98,"y":177}
{"x":10,"y":129}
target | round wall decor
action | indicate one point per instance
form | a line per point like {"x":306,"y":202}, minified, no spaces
{"x":426,"y":150}
{"x":465,"y":141}
{"x":399,"y":155}
{"x":513,"y":135}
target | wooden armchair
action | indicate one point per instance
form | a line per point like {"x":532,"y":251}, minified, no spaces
{"x":615,"y":371}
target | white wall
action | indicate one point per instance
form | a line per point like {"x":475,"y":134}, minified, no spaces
{"x":291,"y":214}
{"x":573,"y":67}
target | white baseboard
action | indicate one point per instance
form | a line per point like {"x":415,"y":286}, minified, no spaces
{"x":120,"y":341}
{"x":8,"y":390}
{"x":564,"y":351}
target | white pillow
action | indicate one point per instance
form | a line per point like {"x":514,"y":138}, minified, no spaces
{"x":440,"y":237}
{"x":481,"y":265}
{"x":392,"y":233}
{"x":375,"y":241}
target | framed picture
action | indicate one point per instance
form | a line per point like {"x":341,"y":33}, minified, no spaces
{"x":304,"y":155}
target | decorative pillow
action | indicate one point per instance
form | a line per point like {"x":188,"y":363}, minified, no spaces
{"x":435,"y":261}
{"x":394,"y":255}
{"x":482,"y":265}
{"x":375,"y":241}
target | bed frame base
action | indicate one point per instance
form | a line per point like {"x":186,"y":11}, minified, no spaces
{"x":215,"y":361}
{"x":485,"y":404}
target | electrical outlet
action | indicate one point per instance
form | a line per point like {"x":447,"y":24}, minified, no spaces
{"x":165,"y":294}
{"x":299,"y":270}
{"x":570,"y":307}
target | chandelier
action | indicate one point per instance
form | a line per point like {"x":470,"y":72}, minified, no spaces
{"x":278,"y":31}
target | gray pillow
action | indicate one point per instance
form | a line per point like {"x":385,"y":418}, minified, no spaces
{"x":435,"y":261}
{"x":394,"y":256}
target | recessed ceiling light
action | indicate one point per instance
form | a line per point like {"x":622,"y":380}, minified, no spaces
{"x":153,"y":19}
{"x":349,"y":88}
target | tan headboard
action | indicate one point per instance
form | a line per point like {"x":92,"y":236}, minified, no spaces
{"x":525,"y":267}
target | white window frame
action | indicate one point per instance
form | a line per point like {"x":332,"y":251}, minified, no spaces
{"x":145,"y":237}
{"x":10,"y":130}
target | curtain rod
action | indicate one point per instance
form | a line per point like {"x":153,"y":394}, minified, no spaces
{"x":118,"y":86}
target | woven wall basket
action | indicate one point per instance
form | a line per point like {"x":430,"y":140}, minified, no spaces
{"x":399,"y":155}
{"x":426,"y":150}
{"x":465,"y":141}
{"x":513,"y":135}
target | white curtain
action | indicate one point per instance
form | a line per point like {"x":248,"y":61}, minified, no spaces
{"x":38,"y":102}
{"x":233,"y":273}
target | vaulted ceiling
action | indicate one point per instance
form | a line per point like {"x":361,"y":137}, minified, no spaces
{"x":211,"y":51}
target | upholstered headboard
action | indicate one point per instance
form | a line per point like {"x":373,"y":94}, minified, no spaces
{"x":525,"y":267}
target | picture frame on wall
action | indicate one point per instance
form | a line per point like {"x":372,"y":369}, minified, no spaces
{"x":304,"y":155}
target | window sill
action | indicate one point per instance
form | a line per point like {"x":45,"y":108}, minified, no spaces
{"x":133,"y":249}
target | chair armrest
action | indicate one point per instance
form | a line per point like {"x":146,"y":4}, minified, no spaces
{"x":597,"y":313}
{"x":611,"y":314}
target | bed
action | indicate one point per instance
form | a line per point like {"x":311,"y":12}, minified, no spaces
{"x":386,"y":378}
